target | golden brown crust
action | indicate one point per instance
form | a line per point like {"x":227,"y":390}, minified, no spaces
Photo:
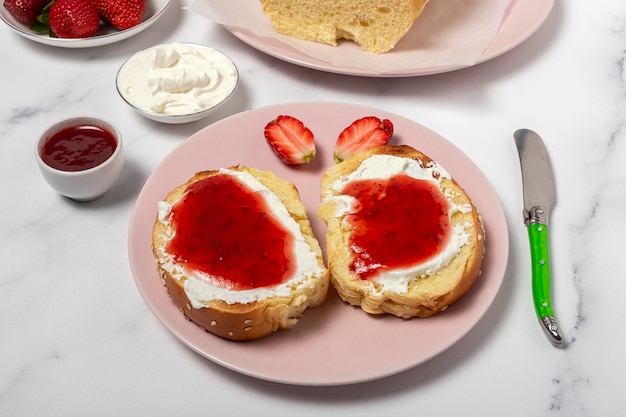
{"x":426,"y":296}
{"x":238,"y":321}
{"x":375,"y":26}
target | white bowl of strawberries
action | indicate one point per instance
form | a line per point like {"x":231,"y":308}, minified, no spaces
{"x":80,"y":23}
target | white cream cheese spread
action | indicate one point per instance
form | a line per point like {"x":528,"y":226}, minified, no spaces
{"x":386,"y":166}
{"x":200,"y":288}
{"x":177,"y":78}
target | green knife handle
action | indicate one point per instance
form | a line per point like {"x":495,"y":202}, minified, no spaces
{"x":540,"y":256}
{"x":541,"y":280}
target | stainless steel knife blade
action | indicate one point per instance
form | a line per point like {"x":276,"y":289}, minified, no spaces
{"x":539,"y":197}
{"x":537,"y":175}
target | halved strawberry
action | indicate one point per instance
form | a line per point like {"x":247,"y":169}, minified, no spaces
{"x":73,"y":19}
{"x":122,"y":14}
{"x":362,"y":134}
{"x":290,"y":140}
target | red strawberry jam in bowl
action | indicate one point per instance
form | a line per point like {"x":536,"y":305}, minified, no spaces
{"x":81,"y":157}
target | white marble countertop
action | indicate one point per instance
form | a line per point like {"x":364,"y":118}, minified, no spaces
{"x":76,"y":337}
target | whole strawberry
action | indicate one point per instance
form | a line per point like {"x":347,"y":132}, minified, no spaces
{"x":25,"y":11}
{"x":122,"y":14}
{"x":74,"y":19}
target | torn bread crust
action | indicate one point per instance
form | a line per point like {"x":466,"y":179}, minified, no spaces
{"x":376,"y":27}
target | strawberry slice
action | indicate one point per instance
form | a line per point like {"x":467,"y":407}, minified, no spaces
{"x":290,"y":140}
{"x":362,"y":134}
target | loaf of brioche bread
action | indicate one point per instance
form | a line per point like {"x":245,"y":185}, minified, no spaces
{"x":361,"y":274}
{"x":375,"y":26}
{"x":213,"y":252}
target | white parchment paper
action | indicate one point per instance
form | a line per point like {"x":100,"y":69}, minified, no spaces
{"x":448,"y":33}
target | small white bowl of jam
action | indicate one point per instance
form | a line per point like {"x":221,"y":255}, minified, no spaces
{"x":177,"y":82}
{"x":81,"y":157}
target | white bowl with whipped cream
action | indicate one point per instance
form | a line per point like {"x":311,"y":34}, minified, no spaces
{"x":177,"y":82}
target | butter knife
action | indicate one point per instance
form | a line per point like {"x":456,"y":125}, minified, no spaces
{"x":539,"y":197}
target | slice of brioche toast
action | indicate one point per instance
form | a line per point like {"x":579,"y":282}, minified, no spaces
{"x":419,"y":290}
{"x":238,"y":311}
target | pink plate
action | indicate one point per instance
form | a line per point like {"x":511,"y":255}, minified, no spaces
{"x":336,"y":343}
{"x":522,"y":19}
